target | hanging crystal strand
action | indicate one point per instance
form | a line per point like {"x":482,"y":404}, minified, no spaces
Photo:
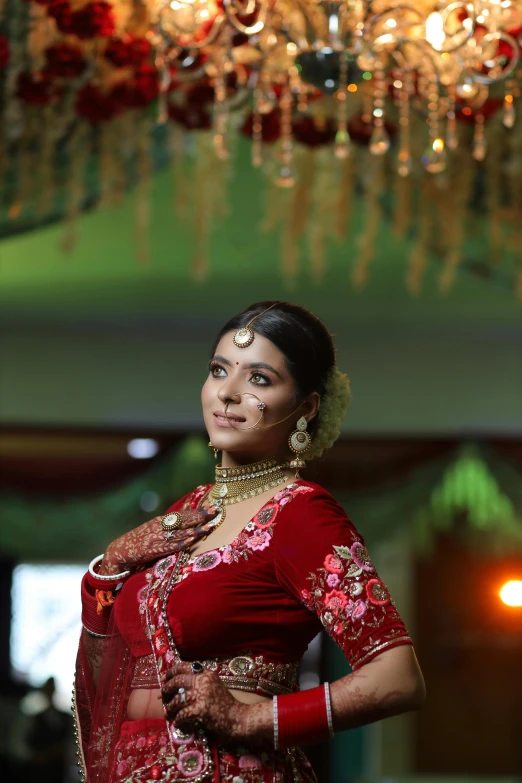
{"x":379,"y":140}
{"x":434,"y":158}
{"x":479,"y":140}
{"x":221,"y":114}
{"x":296,"y":88}
{"x":257,"y":126}
{"x":509,"y":115}
{"x":342,"y":137}
{"x":452,"y":139}
{"x":404,"y":157}
{"x":286,"y":175}
{"x":164,"y":83}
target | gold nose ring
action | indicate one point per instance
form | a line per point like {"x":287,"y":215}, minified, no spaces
{"x":260,"y":404}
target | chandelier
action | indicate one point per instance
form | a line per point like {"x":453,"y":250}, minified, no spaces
{"x":346,"y":55}
{"x":336,"y":97}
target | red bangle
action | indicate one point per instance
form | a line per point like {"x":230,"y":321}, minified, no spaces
{"x":95,"y":616}
{"x":302,"y":718}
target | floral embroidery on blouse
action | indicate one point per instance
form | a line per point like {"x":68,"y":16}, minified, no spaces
{"x":348,"y":602}
{"x":207,"y":560}
{"x":254,"y":537}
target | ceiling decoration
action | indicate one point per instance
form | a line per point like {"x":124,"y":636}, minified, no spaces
{"x":411,"y":106}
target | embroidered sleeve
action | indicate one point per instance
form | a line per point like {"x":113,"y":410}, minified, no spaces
{"x":322,"y":561}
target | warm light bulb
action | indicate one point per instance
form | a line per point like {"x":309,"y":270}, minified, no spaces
{"x":435,"y":30}
{"x":511,"y":593}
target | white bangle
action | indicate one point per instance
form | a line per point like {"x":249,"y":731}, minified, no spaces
{"x":92,"y":633}
{"x":102,"y":577}
{"x":328,"y":709}
{"x":276,"y":723}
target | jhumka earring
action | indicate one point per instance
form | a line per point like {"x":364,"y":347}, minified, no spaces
{"x":245,"y":336}
{"x":211,"y":446}
{"x":299,"y":441}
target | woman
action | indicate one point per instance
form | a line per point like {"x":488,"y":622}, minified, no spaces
{"x":195,"y":622}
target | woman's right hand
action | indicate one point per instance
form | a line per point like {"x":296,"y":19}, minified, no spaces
{"x":148,"y":542}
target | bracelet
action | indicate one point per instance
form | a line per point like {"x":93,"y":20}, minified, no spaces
{"x":328,"y":709}
{"x":276,"y":723}
{"x":92,"y":633}
{"x":302,"y":718}
{"x":105,"y":582}
{"x":95,"y":616}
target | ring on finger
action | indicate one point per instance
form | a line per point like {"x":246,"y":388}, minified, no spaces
{"x":172,"y":521}
{"x":182,"y":693}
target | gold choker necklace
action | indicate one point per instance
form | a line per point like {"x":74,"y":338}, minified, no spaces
{"x":236,"y":484}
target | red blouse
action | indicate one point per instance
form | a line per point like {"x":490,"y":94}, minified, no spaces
{"x":298,"y":565}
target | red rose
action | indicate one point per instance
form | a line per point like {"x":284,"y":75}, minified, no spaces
{"x":4,"y":51}
{"x":64,"y":61}
{"x":488,"y":109}
{"x":128,"y":53}
{"x":94,"y":20}
{"x":191,"y":116}
{"x":361,"y":131}
{"x":140,"y":90}
{"x":306,"y":131}
{"x":504,"y":49}
{"x":36,"y":89}
{"x":270,"y":126}
{"x":61,"y":12}
{"x":95,"y":105}
{"x":201,"y":94}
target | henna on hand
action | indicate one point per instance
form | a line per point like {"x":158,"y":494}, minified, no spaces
{"x":211,"y":704}
{"x":148,"y":542}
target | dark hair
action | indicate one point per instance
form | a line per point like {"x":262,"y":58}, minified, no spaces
{"x":301,"y":337}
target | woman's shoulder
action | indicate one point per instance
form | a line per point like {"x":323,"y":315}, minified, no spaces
{"x":315,"y":496}
{"x":313,"y":508}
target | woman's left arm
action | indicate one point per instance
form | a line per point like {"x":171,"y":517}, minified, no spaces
{"x":390,"y":684}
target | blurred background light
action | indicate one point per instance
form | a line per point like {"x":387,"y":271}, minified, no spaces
{"x":511,"y":593}
{"x":143,"y":448}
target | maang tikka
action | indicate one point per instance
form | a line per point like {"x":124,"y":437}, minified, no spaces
{"x":245,"y":336}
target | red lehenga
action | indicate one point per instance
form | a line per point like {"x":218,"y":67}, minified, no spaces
{"x":248,"y":611}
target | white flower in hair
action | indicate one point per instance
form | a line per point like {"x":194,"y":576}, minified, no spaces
{"x":334,"y":403}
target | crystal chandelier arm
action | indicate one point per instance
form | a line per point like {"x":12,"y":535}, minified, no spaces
{"x":505,"y":71}
{"x":468,"y":31}
{"x":213,"y":33}
{"x":306,"y":44}
{"x":232,"y":12}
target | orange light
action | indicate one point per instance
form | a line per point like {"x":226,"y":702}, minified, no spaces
{"x":352,"y":88}
{"x":511,"y":593}
{"x":466,"y":110}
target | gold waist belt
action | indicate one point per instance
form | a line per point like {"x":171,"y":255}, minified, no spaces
{"x":243,"y":672}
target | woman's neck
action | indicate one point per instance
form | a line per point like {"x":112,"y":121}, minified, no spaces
{"x":238,"y":460}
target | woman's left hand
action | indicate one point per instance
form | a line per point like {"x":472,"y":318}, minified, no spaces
{"x":208,"y":702}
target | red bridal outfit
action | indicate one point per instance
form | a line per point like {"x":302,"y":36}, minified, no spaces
{"x":248,"y":611}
